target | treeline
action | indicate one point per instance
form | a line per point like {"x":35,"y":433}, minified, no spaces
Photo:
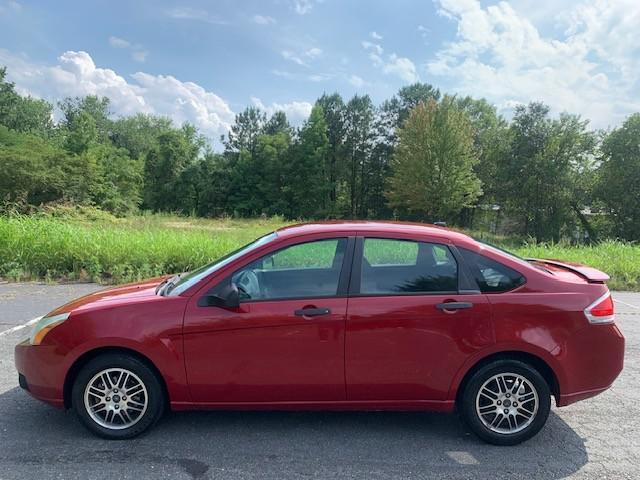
{"x":420,"y":155}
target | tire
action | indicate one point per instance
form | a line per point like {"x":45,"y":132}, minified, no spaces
{"x":503,"y":383}
{"x":99,"y":396}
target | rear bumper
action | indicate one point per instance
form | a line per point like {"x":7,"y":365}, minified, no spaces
{"x":40,"y":372}
{"x":592,"y":359}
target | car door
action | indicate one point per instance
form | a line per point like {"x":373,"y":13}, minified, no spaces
{"x":412,"y":320}
{"x":285,"y":343}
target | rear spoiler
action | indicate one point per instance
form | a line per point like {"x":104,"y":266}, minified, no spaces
{"x":592,"y":275}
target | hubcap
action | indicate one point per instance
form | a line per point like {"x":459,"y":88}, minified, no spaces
{"x":116,"y":398}
{"x":507,"y":403}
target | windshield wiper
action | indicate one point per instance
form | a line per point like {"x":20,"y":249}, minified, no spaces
{"x":170,"y":284}
{"x":167,"y":284}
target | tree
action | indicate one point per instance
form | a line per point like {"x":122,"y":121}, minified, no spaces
{"x":97,"y":108}
{"x":23,"y":114}
{"x":619,"y":177}
{"x":276,"y":124}
{"x":244,"y":132}
{"x":537,"y":176}
{"x":176,"y":151}
{"x":139,"y":133}
{"x":306,"y":180}
{"x":118,"y":185}
{"x":396,"y":110}
{"x":432,"y":166}
{"x":333,"y":109}
{"x":359,"y":136}
{"x":82,"y":133}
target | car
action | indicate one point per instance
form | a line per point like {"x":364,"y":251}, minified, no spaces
{"x":335,"y":316}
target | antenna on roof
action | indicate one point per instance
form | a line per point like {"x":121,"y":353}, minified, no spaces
{"x":440,"y":224}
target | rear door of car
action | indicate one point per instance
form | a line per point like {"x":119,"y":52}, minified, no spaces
{"x":414,"y":316}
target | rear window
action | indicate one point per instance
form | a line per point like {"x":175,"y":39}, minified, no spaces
{"x":491,"y":276}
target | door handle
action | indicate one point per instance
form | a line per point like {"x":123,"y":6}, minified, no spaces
{"x":450,"y":306}
{"x":312,"y":312}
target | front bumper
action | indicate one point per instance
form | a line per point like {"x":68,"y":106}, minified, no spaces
{"x":41,"y":372}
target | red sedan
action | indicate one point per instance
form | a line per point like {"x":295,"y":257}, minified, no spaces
{"x":336,"y":316}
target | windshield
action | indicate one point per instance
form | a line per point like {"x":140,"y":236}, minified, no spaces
{"x":191,"y":278}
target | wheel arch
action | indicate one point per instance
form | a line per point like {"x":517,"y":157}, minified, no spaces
{"x":531,"y":359}
{"x":89,"y":355}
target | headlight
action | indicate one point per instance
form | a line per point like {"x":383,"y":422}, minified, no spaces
{"x":45,"y":325}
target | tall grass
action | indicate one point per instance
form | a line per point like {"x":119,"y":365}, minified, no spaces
{"x":98,"y":247}
{"x":621,"y":261}
{"x":116,"y":251}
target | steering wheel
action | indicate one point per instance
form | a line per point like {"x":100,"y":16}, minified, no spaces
{"x":248,"y":283}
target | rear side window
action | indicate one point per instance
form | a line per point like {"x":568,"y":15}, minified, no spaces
{"x":491,"y":276}
{"x":392,"y":266}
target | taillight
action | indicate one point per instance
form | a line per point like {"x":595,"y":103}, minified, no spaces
{"x":601,"y":311}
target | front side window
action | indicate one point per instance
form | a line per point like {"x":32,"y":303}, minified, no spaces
{"x":305,"y":270}
{"x":491,"y":276}
{"x":392,"y":266}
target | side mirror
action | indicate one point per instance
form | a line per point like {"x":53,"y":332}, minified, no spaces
{"x":228,"y":297}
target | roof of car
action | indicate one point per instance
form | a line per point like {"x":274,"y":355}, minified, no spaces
{"x":372,"y":226}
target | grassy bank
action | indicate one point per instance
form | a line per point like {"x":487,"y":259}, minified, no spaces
{"x":102,"y":248}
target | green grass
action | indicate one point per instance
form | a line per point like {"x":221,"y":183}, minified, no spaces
{"x":93,"y":246}
{"x":621,"y":261}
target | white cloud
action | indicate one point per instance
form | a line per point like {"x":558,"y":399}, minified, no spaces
{"x":401,"y":67}
{"x":297,"y":112}
{"x":375,"y":36}
{"x":592,"y":68}
{"x":302,"y":7}
{"x":356,"y":81}
{"x":117,"y":42}
{"x":292,"y":57}
{"x":298,"y":58}
{"x":138,"y":53}
{"x":313,"y":52}
{"x":373,"y":47}
{"x":263,"y":20}
{"x":76,"y":74}
{"x":188,"y":13}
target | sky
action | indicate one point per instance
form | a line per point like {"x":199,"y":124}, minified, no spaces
{"x":203,"y":62}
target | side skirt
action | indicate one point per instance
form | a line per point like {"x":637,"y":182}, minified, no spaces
{"x":384,"y":405}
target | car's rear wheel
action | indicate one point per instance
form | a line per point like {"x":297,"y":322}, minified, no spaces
{"x":506,"y":402}
{"x":117,"y":396}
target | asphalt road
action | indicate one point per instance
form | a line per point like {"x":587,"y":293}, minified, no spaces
{"x":597,"y":438}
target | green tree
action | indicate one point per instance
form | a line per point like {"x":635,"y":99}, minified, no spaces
{"x":139,"y":133}
{"x":537,"y":176}
{"x":175,"y":151}
{"x":432,"y":166}
{"x":244,"y":132}
{"x":306,"y":176}
{"x":334,"y":111}
{"x":23,"y":114}
{"x":359,"y":138}
{"x":97,"y":108}
{"x":619,"y":180}
{"x":119,"y":184}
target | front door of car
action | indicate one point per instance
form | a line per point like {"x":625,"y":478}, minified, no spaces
{"x":409,"y":325}
{"x":285,"y":342}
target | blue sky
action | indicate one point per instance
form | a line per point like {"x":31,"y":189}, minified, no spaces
{"x":203,"y":61}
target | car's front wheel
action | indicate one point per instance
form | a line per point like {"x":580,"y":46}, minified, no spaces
{"x":117,"y":396}
{"x":506,"y":402}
